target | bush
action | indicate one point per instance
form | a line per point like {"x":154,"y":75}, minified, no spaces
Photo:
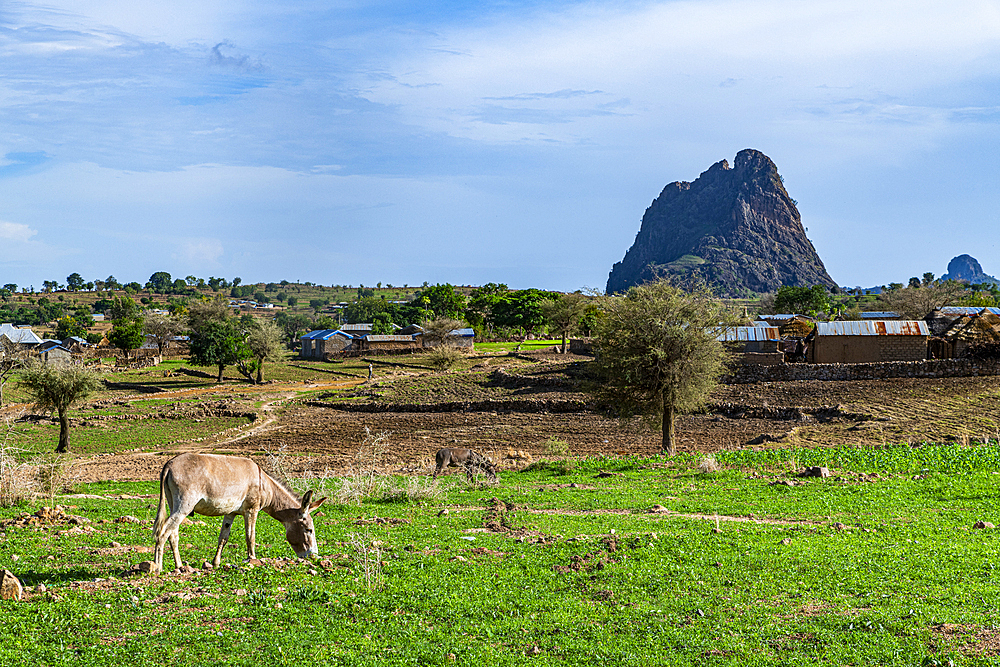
{"x":443,"y":357}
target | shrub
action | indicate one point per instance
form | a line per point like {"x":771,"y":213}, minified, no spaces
{"x":443,"y":357}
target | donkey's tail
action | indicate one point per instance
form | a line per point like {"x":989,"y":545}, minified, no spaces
{"x":162,"y":514}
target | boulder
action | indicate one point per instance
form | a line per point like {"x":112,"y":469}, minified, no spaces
{"x":10,"y":586}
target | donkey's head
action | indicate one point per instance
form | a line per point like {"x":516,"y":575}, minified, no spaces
{"x":299,"y":530}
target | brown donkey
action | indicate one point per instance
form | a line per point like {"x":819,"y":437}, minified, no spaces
{"x":472,"y":461}
{"x":227,"y":486}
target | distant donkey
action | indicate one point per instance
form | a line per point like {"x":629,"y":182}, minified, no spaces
{"x":228,"y":486}
{"x":471,"y":460}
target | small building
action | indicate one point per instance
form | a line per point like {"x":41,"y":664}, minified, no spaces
{"x":879,"y":315}
{"x":754,"y":345}
{"x":961,"y":333}
{"x":862,"y":341}
{"x":322,"y":342}
{"x":358,"y":329}
{"x":22,"y":336}
{"x":389,"y":342}
{"x":464,"y":338}
{"x":53,"y":353}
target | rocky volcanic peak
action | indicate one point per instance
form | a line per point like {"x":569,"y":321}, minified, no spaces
{"x":967,"y":269}
{"x":735,"y":228}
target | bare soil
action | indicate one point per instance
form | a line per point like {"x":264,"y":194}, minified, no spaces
{"x":322,"y":438}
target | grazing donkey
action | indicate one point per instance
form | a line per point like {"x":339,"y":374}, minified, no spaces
{"x":469,"y":459}
{"x":226,"y":486}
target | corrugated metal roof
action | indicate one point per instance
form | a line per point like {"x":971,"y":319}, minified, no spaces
{"x":780,"y":316}
{"x":879,"y":315}
{"x":389,"y":338}
{"x":17,"y":335}
{"x":873,"y":328}
{"x":357,"y":327}
{"x":323,"y":334}
{"x":967,"y":310}
{"x":746,"y":334}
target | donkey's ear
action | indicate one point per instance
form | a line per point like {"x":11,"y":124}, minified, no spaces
{"x":316,"y":504}
{"x":305,"y":501}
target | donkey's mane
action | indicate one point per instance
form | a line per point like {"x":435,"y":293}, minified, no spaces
{"x":283,"y":483}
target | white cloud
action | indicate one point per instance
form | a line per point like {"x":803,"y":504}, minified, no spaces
{"x":200,"y":251}
{"x":13,"y":231}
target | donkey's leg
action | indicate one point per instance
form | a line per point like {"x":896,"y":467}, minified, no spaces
{"x":227,"y":525}
{"x":250,"y":523}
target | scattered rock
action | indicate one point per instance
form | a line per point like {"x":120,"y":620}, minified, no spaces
{"x":787,"y":540}
{"x":982,"y":525}
{"x":146,"y":566}
{"x":782,"y":482}
{"x":815,"y":471}
{"x":127,"y":519}
{"x":10,"y":586}
{"x":658,"y":509}
{"x":443,"y":512}
{"x":839,"y":527}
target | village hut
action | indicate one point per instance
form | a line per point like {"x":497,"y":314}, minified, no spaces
{"x":754,"y":345}
{"x":869,"y":341}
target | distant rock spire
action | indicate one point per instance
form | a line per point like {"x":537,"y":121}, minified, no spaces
{"x":734,"y":228}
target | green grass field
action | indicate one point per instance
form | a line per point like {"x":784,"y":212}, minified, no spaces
{"x":877,"y":565}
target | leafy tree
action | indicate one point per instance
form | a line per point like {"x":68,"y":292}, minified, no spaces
{"x":74,"y":282}
{"x":10,"y":287}
{"x":48,"y":286}
{"x":382,"y":324}
{"x":928,"y":278}
{"x":563,"y":313}
{"x":126,"y":333}
{"x":111,"y":283}
{"x":133,"y":287}
{"x":160,"y":282}
{"x":521,"y":309}
{"x":811,"y":300}
{"x":260,"y":297}
{"x":316,"y":305}
{"x":444,"y":301}
{"x":68,"y":326}
{"x":282,"y":297}
{"x":292,"y":301}
{"x":914,"y":282}
{"x":659,"y":353}
{"x":57,"y":388}
{"x":218,"y":344}
{"x":162,"y":328}
{"x":119,"y":308}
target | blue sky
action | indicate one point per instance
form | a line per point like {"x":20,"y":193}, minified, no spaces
{"x":517,"y":142}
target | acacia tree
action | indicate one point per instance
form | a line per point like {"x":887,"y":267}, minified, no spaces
{"x":56,"y":389}
{"x":917,"y":302}
{"x":659,"y":353}
{"x":563,"y":313}
{"x":162,"y":328}
{"x":262,"y":343}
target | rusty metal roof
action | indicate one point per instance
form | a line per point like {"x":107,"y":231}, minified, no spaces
{"x":873,"y":328}
{"x":746,"y":334}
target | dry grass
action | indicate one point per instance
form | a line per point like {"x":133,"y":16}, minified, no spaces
{"x":17,"y":478}
{"x":708,"y":464}
{"x":368,"y":556}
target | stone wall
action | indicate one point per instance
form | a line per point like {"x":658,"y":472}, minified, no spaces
{"x":930,"y":368}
